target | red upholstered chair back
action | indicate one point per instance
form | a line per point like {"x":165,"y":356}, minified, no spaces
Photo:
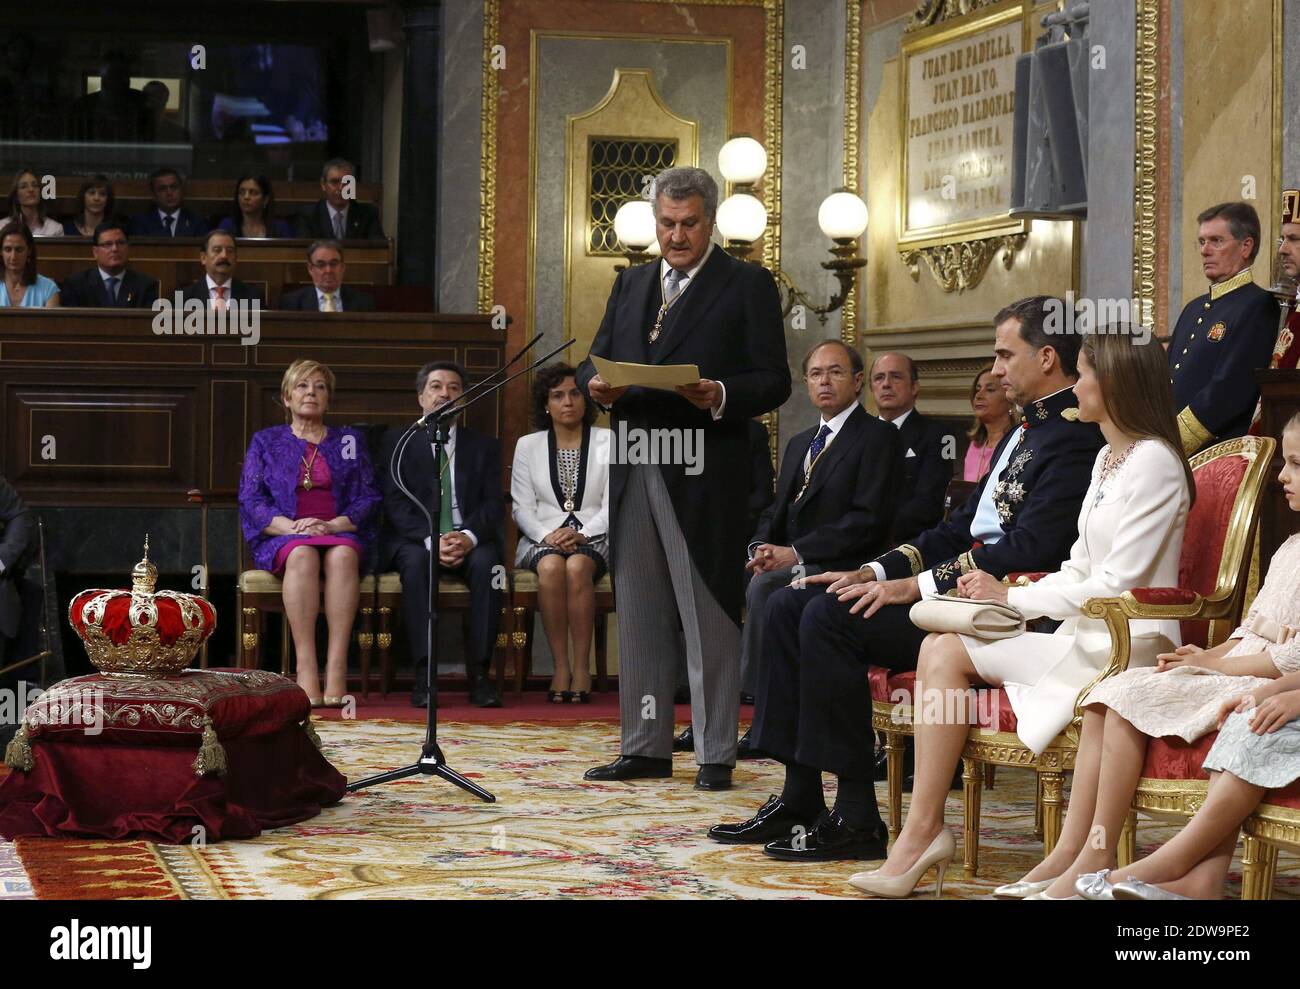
{"x":1220,"y":527}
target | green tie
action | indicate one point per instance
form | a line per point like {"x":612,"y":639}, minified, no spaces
{"x":444,"y":514}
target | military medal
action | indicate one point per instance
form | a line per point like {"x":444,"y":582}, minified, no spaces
{"x":1217,"y":331}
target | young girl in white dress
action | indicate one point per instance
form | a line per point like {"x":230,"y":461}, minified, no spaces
{"x":1130,"y":534}
{"x":1184,"y":695}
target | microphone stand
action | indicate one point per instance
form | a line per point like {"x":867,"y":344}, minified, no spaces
{"x":431,"y":761}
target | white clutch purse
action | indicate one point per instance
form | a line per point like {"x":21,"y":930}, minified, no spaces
{"x":982,"y":618}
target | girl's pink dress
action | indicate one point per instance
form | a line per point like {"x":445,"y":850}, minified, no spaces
{"x":318,"y":503}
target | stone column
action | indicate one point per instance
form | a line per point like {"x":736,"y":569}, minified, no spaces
{"x":418,"y":191}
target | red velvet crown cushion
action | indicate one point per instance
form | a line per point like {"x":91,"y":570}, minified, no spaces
{"x":1217,"y":484}
{"x":166,"y":710}
{"x":118,"y":624}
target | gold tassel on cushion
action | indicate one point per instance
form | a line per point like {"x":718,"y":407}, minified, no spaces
{"x":211,"y":757}
{"x":18,"y":753}
{"x":311,"y":733}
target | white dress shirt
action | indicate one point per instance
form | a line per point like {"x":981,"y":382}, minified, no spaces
{"x":338,"y":299}
{"x":212,"y":289}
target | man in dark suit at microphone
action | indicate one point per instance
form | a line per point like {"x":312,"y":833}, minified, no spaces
{"x":679,"y":527}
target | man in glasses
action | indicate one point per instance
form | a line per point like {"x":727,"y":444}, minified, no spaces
{"x":338,"y":214}
{"x":326,"y":293}
{"x":110,"y":283}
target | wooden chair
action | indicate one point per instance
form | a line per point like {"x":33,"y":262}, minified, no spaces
{"x":524,"y":599}
{"x":260,"y":592}
{"x":453,"y":595}
{"x":1212,"y":575}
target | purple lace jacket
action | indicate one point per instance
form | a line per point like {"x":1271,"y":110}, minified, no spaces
{"x":268,"y":487}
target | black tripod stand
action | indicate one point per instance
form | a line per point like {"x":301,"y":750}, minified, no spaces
{"x":431,"y":761}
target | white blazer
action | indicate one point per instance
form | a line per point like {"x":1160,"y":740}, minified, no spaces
{"x":537,"y":511}
{"x":1130,"y":535}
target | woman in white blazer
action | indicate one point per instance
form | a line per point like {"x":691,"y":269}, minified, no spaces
{"x":1130,"y":535}
{"x":560,"y":489}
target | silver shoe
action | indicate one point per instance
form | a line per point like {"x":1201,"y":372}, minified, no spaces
{"x":1024,"y":887}
{"x":1043,"y":896}
{"x":1136,"y":889}
{"x":1094,"y":886}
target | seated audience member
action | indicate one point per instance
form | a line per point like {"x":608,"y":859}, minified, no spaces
{"x":337,"y":216}
{"x":253,"y":214}
{"x":17,"y":541}
{"x":156,"y":94}
{"x":559,"y":485}
{"x":836,"y":496}
{"x":110,"y":282}
{"x":1130,"y":534}
{"x":95,"y":203}
{"x":927,"y":464}
{"x":168,"y":217}
{"x":1223,"y":336}
{"x":469,"y":519}
{"x":26,"y":204}
{"x":763,"y":478}
{"x":1182,"y":695}
{"x":327,"y":293}
{"x":22,"y":285}
{"x":308,"y":508}
{"x":813,"y":710}
{"x":994,"y":416}
{"x":219,"y":284}
{"x":116,"y":112}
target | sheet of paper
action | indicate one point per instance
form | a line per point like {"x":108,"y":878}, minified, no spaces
{"x":617,"y":374}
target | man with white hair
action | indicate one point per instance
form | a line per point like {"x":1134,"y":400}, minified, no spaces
{"x":679,"y":531}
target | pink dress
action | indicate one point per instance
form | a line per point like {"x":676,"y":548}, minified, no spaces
{"x":979,"y":460}
{"x":318,"y":503}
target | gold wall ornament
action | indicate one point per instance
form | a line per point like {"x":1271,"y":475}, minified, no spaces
{"x":933,"y":11}
{"x":852,"y":138}
{"x":487,"y":218}
{"x":1145,"y":119}
{"x":959,"y":266}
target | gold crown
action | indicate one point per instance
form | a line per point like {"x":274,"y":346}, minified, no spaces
{"x":148,"y":633}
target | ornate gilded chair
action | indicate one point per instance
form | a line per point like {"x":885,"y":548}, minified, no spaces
{"x":1212,"y":575}
{"x":524,"y":601}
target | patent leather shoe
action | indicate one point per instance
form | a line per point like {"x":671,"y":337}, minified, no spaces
{"x":685,"y":742}
{"x":774,"y":820}
{"x":713,"y":776}
{"x":831,"y":840}
{"x":632,"y":767}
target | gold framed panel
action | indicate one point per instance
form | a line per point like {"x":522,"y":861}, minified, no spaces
{"x":969,"y":26}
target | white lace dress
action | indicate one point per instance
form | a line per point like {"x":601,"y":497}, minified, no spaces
{"x":1185,"y":701}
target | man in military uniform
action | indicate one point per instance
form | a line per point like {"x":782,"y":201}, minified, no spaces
{"x":1286,"y":349}
{"x":813,"y":709}
{"x":1223,"y":336}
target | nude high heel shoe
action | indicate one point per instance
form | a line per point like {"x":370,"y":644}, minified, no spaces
{"x":939,"y":854}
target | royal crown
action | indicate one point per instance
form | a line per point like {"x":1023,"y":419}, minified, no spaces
{"x":141,"y":632}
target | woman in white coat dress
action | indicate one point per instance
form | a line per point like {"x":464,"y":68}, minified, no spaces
{"x":559,"y":486}
{"x":1130,"y":535}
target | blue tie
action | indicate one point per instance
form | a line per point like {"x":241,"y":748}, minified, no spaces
{"x":818,"y":445}
{"x":112,"y":290}
{"x":169,"y":220}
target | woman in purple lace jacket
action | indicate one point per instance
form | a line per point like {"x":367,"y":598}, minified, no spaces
{"x":308,"y":507}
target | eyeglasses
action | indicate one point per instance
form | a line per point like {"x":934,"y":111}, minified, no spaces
{"x":325,"y":265}
{"x":834,"y":374}
{"x":110,"y":244}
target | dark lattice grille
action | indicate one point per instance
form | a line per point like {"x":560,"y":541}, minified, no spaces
{"x":617,"y":173}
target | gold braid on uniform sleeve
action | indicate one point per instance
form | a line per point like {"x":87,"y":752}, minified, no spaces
{"x":1193,"y":432}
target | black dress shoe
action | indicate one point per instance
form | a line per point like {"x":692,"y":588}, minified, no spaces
{"x":482,"y":691}
{"x":685,"y":742}
{"x":831,"y":840}
{"x":713,"y":776}
{"x":774,"y":820}
{"x":745,"y":747}
{"x":632,"y":767}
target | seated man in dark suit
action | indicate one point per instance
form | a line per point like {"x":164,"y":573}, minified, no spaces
{"x":929,"y":451}
{"x":168,"y":217}
{"x":813,"y":710}
{"x":110,"y":283}
{"x":219,"y":284}
{"x":326,"y":293}
{"x":339,"y":216}
{"x":469,"y":519}
{"x":17,"y":538}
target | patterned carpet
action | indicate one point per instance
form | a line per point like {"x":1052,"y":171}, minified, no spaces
{"x":549,"y":835}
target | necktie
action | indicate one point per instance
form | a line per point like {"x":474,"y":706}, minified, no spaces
{"x":444,"y":513}
{"x":675,"y":279}
{"x":338,"y":226}
{"x":170,"y":222}
{"x":818,"y":445}
{"x":328,"y":303}
{"x":112,"y":289}
{"x":220,"y":301}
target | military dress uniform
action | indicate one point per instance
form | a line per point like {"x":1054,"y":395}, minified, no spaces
{"x":1220,"y":340}
{"x":813,"y":705}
